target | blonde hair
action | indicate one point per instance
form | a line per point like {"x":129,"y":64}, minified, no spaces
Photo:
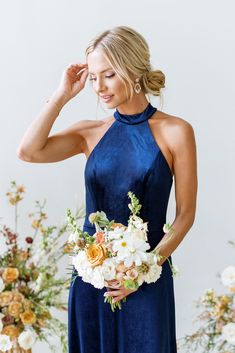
{"x":127,"y":52}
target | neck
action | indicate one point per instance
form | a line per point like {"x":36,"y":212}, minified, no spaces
{"x":135,"y":106}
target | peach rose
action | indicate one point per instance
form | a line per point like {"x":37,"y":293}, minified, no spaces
{"x":10,"y":274}
{"x":131,"y":274}
{"x":99,"y":237}
{"x":5,"y":298}
{"x":28,"y":317}
{"x":15,"y":308}
{"x":114,"y":225}
{"x":11,"y":330}
{"x":121,"y":267}
{"x":96,"y":254}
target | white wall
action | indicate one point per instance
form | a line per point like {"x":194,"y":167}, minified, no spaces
{"x":193,"y":43}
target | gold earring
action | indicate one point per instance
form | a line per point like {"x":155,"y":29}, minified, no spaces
{"x":137,"y":86}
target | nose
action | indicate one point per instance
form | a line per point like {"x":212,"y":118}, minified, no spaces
{"x":99,"y":86}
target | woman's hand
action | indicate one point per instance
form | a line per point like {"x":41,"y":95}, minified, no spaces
{"x":73,"y":80}
{"x":116,"y":291}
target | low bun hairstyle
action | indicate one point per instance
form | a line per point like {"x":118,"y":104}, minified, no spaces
{"x":127,"y":52}
{"x":152,"y":82}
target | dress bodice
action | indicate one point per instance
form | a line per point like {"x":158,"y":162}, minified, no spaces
{"x":127,"y":158}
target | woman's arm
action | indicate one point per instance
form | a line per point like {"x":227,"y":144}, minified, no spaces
{"x":183,"y":149}
{"x":36,"y":145}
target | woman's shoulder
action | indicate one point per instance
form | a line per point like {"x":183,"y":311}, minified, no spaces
{"x":91,"y":127}
{"x":174,"y":130}
{"x":169,"y":120}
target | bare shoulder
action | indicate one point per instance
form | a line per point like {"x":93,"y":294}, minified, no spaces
{"x":174,"y":130}
{"x":87,"y":127}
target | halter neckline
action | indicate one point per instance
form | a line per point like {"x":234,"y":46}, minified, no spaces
{"x":135,"y":118}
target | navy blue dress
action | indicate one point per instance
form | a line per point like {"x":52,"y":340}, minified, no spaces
{"x":127,"y":158}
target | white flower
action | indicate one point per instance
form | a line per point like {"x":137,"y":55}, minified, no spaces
{"x":153,"y":274}
{"x":1,"y":325}
{"x":80,"y":262}
{"x":27,"y":339}
{"x":117,"y":233}
{"x":155,"y":270}
{"x":5,"y":343}
{"x":139,"y":234}
{"x":2,"y":285}
{"x":228,"y":276}
{"x":97,"y":278}
{"x":228,"y":333}
{"x":108,"y":269}
{"x":131,"y":250}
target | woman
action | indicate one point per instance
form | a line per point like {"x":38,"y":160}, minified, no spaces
{"x":140,"y":149}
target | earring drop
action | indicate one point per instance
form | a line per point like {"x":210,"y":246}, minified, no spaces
{"x":137,"y":86}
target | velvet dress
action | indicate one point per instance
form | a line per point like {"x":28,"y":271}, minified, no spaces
{"x":127,"y":158}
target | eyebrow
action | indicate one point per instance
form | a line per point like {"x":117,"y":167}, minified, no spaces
{"x":109,"y":68}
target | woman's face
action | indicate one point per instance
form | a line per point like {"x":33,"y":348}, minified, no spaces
{"x":105,"y":81}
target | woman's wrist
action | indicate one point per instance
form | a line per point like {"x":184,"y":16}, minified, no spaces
{"x":59,"y":100}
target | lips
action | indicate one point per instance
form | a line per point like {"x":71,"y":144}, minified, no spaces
{"x":107,"y":98}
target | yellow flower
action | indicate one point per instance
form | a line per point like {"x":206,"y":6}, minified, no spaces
{"x":10,"y":274}
{"x":11,"y":330}
{"x":28,"y":317}
{"x":36,"y":224}
{"x":15,"y":308}
{"x":5,"y":298}
{"x":96,"y":254}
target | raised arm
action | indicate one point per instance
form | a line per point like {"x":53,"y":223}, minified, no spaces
{"x":36,"y":145}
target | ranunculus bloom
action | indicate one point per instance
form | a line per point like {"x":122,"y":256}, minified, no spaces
{"x":10,"y":274}
{"x":96,"y":254}
{"x":11,"y":330}
{"x":15,"y":308}
{"x":17,"y":296}
{"x":28,"y":317}
{"x":5,"y":298}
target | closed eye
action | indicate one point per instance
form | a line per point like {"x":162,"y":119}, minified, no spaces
{"x":93,"y":79}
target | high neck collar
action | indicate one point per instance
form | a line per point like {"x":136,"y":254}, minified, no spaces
{"x":135,"y":118}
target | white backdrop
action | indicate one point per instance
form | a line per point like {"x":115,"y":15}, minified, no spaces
{"x":193,"y":44}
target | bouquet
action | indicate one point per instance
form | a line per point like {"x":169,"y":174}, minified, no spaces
{"x":216,"y":332}
{"x":29,"y":288}
{"x":115,"y":253}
